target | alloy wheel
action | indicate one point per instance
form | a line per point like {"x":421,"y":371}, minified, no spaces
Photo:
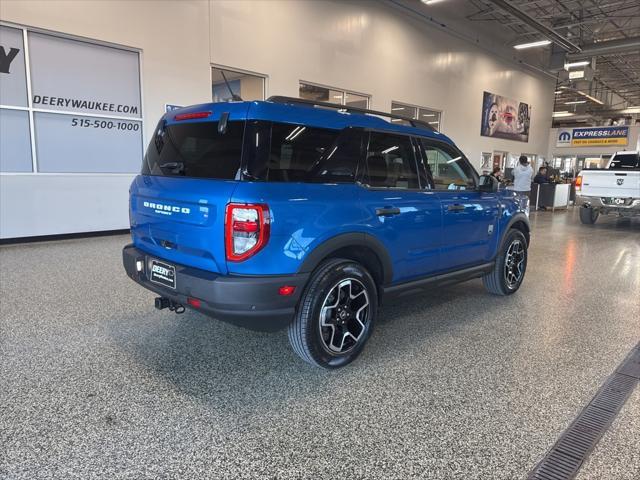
{"x":344,"y":315}
{"x":514,"y":264}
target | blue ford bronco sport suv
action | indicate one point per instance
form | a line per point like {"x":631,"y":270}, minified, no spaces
{"x":306,"y":215}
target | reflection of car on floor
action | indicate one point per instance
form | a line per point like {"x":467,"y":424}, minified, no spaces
{"x":308,"y":215}
{"x":614,"y":190}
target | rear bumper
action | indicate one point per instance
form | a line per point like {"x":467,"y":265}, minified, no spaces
{"x":249,"y":301}
{"x":627,"y":205}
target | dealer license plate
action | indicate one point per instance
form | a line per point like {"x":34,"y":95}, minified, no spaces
{"x":163,"y":274}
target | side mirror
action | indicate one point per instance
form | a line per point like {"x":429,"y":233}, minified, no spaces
{"x":488,"y":184}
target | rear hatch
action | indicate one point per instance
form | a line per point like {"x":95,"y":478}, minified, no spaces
{"x":189,"y":173}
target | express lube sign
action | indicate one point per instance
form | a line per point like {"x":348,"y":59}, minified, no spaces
{"x":592,"y":136}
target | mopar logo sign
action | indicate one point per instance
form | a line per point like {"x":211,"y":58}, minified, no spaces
{"x":592,"y":136}
{"x":564,"y":138}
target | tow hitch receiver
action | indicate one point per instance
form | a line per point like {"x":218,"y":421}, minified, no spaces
{"x":162,"y":302}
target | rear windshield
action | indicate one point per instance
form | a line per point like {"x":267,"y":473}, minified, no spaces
{"x":195,"y":150}
{"x":626,"y":160}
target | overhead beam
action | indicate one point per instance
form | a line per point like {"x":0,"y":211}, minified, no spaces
{"x":541,"y":28}
{"x":609,"y":47}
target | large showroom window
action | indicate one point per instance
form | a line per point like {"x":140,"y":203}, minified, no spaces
{"x":229,"y":85}
{"x":429,"y":115}
{"x":68,"y":105}
{"x":318,"y":93}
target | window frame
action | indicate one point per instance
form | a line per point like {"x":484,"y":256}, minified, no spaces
{"x":344,"y":92}
{"x":32,"y":110}
{"x":416,"y":112}
{"x":444,"y":146}
{"x":362,"y":172}
{"x":217,"y":66}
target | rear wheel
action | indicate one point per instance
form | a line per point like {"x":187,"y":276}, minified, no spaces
{"x":588,"y":215}
{"x":336,"y":314}
{"x":511,"y":264}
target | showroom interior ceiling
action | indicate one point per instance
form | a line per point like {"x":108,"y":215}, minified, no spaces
{"x":607,"y":33}
{"x":604,"y":33}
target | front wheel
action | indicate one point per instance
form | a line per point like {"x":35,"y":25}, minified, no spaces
{"x":511,"y":264}
{"x":588,"y":215}
{"x":336,"y":314}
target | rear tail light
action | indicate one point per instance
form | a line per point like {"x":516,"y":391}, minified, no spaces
{"x":246,"y":230}
{"x":579,"y":182}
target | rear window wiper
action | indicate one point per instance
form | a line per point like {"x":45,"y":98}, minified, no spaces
{"x":177,"y":166}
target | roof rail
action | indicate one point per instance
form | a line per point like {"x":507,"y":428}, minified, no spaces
{"x":313,"y":103}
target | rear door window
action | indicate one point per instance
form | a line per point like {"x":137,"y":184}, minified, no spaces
{"x":195,"y":150}
{"x":390,"y":162}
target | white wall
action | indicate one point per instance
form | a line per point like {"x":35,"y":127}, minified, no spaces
{"x":365,"y":47}
{"x":373,"y":48}
{"x":175,"y":69}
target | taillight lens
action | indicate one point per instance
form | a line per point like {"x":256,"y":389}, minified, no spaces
{"x":579,"y":182}
{"x":246,"y":230}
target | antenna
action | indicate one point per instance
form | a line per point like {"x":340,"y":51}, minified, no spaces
{"x":234,"y":96}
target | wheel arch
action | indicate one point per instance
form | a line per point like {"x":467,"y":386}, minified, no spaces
{"x":520,"y":222}
{"x":360,"y":247}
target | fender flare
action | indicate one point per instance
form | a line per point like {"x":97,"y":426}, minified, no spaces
{"x":333,"y":244}
{"x":518,"y":217}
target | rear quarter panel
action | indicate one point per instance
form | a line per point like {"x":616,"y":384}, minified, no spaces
{"x":303,"y":216}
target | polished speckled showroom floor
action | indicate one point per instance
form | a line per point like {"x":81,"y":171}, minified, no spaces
{"x":455,"y":384}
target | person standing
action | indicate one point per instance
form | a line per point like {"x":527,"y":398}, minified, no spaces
{"x":522,"y":174}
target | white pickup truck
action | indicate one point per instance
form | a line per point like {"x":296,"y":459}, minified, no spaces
{"x":615,"y":189}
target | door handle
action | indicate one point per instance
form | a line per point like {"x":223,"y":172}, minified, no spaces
{"x":387,"y":211}
{"x":456,"y":207}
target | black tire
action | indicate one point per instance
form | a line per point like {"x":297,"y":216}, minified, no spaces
{"x":589,"y":215}
{"x":500,"y":280}
{"x":312,"y":341}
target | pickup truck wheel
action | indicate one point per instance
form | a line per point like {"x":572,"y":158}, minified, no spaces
{"x":511,"y":264}
{"x":336,"y":314}
{"x":588,"y":215}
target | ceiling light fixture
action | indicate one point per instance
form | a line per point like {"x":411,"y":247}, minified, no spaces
{"x":561,"y":114}
{"x":593,"y":99}
{"x":431,"y":2}
{"x":631,"y":110}
{"x":539,"y":43}
{"x":581,"y":63}
{"x":575,"y":102}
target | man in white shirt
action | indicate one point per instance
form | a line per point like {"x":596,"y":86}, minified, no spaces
{"x":522,"y":174}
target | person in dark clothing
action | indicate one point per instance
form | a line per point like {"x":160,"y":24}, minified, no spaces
{"x":541,"y":177}
{"x":497,"y":174}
